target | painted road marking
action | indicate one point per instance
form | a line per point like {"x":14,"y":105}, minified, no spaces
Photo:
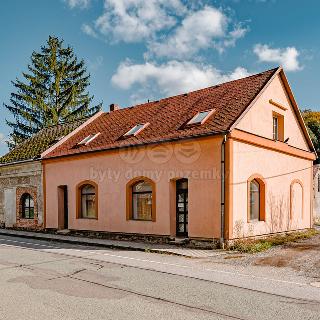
{"x":150,"y":261}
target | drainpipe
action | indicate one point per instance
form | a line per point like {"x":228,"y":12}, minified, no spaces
{"x":223,"y":170}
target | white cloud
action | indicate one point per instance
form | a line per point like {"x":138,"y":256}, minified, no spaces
{"x":173,"y":77}
{"x":196,"y":32}
{"x":287,"y":57}
{"x":137,"y":20}
{"x":170,"y":28}
{"x":82,"y":4}
{"x":230,"y":41}
{"x":89,"y":30}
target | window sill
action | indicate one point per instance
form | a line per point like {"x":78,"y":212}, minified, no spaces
{"x":256,"y":221}
{"x":86,"y":218}
{"x":143,"y":220}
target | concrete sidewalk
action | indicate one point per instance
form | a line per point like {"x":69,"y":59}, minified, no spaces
{"x":116,"y":244}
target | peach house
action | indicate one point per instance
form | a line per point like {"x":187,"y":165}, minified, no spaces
{"x":229,"y":161}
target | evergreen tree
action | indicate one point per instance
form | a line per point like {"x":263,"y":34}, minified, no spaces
{"x":53,"y":91}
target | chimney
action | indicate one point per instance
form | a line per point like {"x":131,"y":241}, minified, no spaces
{"x":114,"y":107}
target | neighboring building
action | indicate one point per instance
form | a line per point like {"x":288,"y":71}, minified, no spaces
{"x":225,"y":162}
{"x":316,"y":192}
{"x":21,"y":189}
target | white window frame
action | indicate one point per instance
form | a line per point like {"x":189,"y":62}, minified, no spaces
{"x":210,"y":112}
{"x":144,"y":125}
{"x":88,"y":139}
{"x":275,"y":128}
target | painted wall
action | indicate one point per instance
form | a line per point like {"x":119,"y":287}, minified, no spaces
{"x":258,"y":120}
{"x":288,"y":206}
{"x":279,"y":171}
{"x":198,"y":160}
{"x":15,"y":176}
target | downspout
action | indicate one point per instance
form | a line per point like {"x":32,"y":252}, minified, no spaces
{"x":223,"y":172}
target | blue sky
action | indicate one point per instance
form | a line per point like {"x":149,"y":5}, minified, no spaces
{"x":145,"y":49}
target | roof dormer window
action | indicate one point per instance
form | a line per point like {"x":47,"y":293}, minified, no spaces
{"x":136,"y":129}
{"x":88,"y":139}
{"x":201,"y":117}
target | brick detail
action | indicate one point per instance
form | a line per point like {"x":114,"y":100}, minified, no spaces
{"x":26,"y":223}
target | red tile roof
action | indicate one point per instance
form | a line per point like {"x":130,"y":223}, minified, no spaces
{"x":168,"y":116}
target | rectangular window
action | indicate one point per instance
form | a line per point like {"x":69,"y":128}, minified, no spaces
{"x":88,"y":139}
{"x":142,"y":206}
{"x":275,"y":128}
{"x":278,"y":126}
{"x":201,"y":117}
{"x":88,"y":206}
{"x":254,"y":200}
{"x":88,"y":202}
{"x":136,"y":129}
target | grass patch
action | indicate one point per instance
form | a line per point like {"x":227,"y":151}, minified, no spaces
{"x":254,"y":246}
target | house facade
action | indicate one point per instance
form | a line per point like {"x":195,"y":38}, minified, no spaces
{"x":21,"y":176}
{"x":316,"y":192}
{"x":21,"y":195}
{"x":225,"y":162}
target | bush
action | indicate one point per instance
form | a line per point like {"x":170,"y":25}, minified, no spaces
{"x":254,"y":246}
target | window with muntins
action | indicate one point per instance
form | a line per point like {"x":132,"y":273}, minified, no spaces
{"x":278,"y":126}
{"x":27,"y":206}
{"x":88,"y":202}
{"x":254,"y":200}
{"x":275,"y":128}
{"x":142,"y":201}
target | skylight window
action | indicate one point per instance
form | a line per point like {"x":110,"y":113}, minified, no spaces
{"x":201,"y":117}
{"x":88,"y":139}
{"x":136,"y":129}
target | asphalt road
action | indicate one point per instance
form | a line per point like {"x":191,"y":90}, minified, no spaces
{"x":46,"y":280}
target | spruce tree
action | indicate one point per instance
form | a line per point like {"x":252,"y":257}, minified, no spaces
{"x":53,"y":91}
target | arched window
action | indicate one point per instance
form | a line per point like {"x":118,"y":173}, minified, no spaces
{"x":87,"y":202}
{"x":27,"y":206}
{"x":256,"y":199}
{"x":141,"y":200}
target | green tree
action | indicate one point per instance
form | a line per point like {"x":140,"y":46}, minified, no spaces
{"x":53,"y":91}
{"x":312,"y":121}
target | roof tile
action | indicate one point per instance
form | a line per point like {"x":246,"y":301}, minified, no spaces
{"x":167,"y":116}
